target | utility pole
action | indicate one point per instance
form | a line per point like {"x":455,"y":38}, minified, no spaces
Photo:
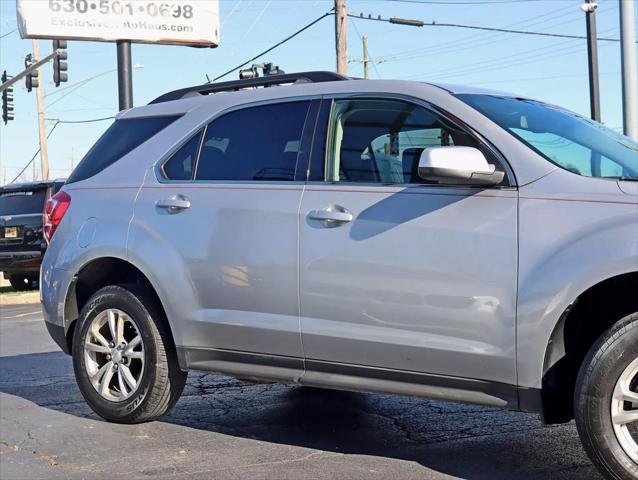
{"x":365,"y":57}
{"x":124,"y":74}
{"x":44,"y":156}
{"x":592,"y":58}
{"x":629,"y":68}
{"x":341,"y":45}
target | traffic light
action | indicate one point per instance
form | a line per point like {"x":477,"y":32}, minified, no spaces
{"x":7,"y":100}
{"x":59,"y":65}
{"x":32,"y":77}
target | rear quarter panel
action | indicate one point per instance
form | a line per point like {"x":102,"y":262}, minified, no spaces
{"x":94,"y":226}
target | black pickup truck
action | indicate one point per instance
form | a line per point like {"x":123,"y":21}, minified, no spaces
{"x":22,"y":243}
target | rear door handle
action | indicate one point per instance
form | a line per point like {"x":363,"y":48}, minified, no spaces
{"x":174,"y":204}
{"x":332,"y":216}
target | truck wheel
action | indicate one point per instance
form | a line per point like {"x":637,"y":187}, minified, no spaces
{"x":123,"y":356}
{"x":606,"y":401}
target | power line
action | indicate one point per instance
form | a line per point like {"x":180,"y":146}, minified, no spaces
{"x":92,"y":120}
{"x":420,"y":23}
{"x":501,"y":60}
{"x":477,"y":39}
{"x":75,"y":87}
{"x":373,"y":62}
{"x":502,"y":63}
{"x":9,"y":33}
{"x":80,"y":82}
{"x":533,"y":79}
{"x":519,"y":58}
{"x":522,"y":32}
{"x":256,"y":21}
{"x":57,"y":122}
{"x":33,"y":158}
{"x":471,"y":39}
{"x":268,"y":50}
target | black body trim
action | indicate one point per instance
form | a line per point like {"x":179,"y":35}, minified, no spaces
{"x":267,"y":81}
{"x":342,"y":376}
{"x":503,"y":391}
{"x":59,"y":336}
{"x":530,"y":400}
{"x":196,"y":355}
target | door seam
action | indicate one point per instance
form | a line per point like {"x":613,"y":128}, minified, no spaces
{"x":132,"y":218}
{"x":303,"y":351}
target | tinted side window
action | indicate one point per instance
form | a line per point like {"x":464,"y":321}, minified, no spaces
{"x":259,"y":143}
{"x":121,"y":137}
{"x":181,"y":165}
{"x":381,"y":141}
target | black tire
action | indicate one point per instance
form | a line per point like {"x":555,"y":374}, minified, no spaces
{"x":601,"y":369}
{"x":23,"y":282}
{"x":162,"y":381}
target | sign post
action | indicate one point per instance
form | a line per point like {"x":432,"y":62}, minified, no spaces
{"x":124,"y":74}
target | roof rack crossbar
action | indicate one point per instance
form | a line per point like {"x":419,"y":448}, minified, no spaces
{"x":266,"y":81}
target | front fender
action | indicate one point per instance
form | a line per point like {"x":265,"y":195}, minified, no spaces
{"x":566,"y":246}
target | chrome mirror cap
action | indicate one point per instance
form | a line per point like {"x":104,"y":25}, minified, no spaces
{"x":458,"y":165}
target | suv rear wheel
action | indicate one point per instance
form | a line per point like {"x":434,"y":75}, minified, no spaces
{"x":124,"y":360}
{"x":606,"y":401}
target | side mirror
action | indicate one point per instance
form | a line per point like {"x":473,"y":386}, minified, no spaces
{"x":458,"y":166}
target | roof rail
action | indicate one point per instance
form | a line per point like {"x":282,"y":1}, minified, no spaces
{"x":266,"y":81}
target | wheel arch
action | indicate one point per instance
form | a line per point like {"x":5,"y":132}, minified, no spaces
{"x":585,"y":319}
{"x":98,"y":273}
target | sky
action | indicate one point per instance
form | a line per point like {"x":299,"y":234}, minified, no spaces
{"x":549,"y":69}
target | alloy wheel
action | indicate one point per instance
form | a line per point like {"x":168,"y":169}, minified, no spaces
{"x":624,"y":410}
{"x":114,"y":355}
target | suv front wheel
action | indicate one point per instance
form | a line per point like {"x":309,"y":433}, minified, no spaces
{"x":606,"y":401}
{"x":124,"y":360}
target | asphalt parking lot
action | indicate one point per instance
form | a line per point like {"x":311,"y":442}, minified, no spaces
{"x":223,"y":428}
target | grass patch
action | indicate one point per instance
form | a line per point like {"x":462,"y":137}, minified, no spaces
{"x":13,"y":291}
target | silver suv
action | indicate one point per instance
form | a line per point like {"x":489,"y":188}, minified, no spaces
{"x":382,"y":236}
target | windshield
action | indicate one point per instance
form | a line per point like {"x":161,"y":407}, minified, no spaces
{"x":566,"y":139}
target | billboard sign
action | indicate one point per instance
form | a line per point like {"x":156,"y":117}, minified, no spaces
{"x":176,"y":22}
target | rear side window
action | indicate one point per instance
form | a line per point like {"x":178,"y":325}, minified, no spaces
{"x":259,"y":143}
{"x":181,"y":165}
{"x":22,"y":202}
{"x":121,"y":137}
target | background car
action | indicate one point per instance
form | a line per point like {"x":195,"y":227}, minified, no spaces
{"x":22,"y":242}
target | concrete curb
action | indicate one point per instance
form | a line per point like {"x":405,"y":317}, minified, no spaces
{"x":20,"y":298}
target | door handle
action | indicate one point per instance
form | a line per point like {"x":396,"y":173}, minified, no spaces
{"x":332,"y":216}
{"x":174,"y":203}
